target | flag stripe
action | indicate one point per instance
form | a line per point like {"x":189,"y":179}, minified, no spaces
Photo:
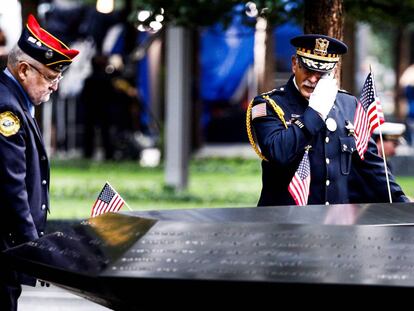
{"x":108,"y":201}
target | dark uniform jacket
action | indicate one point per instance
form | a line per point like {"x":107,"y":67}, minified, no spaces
{"x":24,"y":170}
{"x":333,"y":156}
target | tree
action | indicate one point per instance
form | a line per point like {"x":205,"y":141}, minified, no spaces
{"x":391,"y":15}
{"x":325,"y":17}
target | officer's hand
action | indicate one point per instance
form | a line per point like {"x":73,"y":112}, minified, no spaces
{"x":323,"y":96}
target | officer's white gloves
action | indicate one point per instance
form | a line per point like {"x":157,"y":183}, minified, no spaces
{"x":323,"y":96}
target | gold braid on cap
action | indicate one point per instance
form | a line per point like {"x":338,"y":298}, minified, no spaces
{"x":277,"y":110}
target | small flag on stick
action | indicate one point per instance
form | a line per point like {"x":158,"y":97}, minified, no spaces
{"x":108,"y":201}
{"x":299,"y":186}
{"x":368,"y":116}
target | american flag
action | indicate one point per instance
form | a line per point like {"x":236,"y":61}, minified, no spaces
{"x":299,"y":185}
{"x":368,"y":115}
{"x":108,"y":201}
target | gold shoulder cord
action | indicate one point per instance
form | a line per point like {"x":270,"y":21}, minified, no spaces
{"x":279,"y":113}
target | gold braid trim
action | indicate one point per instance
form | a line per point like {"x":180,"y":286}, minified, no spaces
{"x":249,"y":131}
{"x":279,"y":113}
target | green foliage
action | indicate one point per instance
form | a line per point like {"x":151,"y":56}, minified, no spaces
{"x":192,"y":13}
{"x":380,"y":12}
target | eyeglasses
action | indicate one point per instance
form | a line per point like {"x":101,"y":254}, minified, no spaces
{"x":49,"y":80}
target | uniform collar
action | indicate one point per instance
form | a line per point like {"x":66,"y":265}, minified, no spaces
{"x":29,"y":103}
{"x":294,"y":90}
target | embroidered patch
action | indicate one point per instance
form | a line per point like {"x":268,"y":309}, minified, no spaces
{"x":9,"y":124}
{"x":259,"y":111}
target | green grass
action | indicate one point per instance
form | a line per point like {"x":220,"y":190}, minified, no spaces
{"x":212,"y":183}
{"x":75,"y":185}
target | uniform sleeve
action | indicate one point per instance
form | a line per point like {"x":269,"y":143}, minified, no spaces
{"x":15,"y":206}
{"x":368,"y":183}
{"x":278,"y":143}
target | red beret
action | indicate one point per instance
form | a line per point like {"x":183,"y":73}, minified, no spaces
{"x":44,"y":47}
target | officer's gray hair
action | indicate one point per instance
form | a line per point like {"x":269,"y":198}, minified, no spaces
{"x":17,"y":55}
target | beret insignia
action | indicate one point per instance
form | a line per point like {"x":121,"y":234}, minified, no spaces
{"x":9,"y":124}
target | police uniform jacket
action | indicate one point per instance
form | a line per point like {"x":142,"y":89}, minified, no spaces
{"x":333,"y":156}
{"x":24,"y":169}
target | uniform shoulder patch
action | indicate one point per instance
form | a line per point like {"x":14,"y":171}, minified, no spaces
{"x":9,"y":123}
{"x":259,"y":111}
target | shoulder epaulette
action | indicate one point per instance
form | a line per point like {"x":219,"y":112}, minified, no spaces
{"x":264,"y":97}
{"x":278,"y":90}
{"x":268,"y":93}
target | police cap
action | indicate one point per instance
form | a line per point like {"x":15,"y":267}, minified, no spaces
{"x":44,"y":47}
{"x":318,"y":52}
{"x":390,"y":131}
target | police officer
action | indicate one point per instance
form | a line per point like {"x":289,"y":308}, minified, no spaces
{"x":34,"y":68}
{"x":391,"y":137}
{"x":310,"y":115}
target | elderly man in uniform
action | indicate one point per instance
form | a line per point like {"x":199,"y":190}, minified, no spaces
{"x":309,"y":119}
{"x":34,"y":68}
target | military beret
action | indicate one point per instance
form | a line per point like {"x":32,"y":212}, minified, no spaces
{"x":390,"y":131}
{"x":44,"y":47}
{"x":318,"y":52}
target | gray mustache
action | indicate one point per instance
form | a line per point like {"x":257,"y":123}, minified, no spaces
{"x":309,"y":84}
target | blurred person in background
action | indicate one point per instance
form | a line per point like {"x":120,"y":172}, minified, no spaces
{"x":392,"y":137}
{"x":98,"y":99}
{"x":406,"y":94}
{"x":3,"y":50}
{"x":35,"y":66}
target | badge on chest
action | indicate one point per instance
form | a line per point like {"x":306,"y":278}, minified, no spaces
{"x":9,"y":124}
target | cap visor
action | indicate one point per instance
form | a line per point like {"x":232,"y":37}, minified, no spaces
{"x":313,"y":68}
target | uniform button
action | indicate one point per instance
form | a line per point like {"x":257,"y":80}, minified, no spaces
{"x":43,"y":207}
{"x":327,"y":160}
{"x":326,"y":139}
{"x":326,"y":203}
{"x":41,"y":233}
{"x":43,"y":158}
{"x":328,"y":182}
{"x":282,"y":88}
{"x":44,"y":182}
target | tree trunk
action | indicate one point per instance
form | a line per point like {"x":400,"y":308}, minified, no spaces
{"x":401,"y":62}
{"x":349,"y":61}
{"x":268,"y":82}
{"x":264,"y":62}
{"x":325,"y":17}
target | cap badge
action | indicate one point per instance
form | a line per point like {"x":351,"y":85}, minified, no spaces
{"x":49,"y":54}
{"x":321,"y":46}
